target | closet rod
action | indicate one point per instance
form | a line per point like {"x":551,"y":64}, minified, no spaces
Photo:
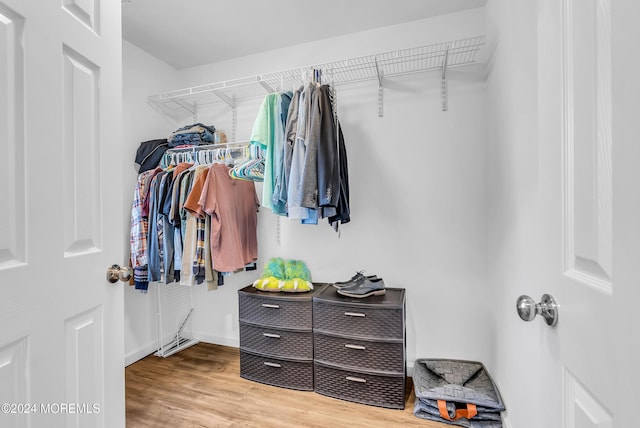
{"x":177,"y":154}
{"x":228,"y":145}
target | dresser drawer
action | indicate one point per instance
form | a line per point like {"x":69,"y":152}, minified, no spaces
{"x":276,"y":371}
{"x":361,"y":321}
{"x":276,"y":312}
{"x":276,"y":343}
{"x":360,"y":387}
{"x":387,"y":356}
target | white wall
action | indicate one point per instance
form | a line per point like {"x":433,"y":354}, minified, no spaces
{"x":418,"y":193}
{"x":513,"y":173}
{"x":418,"y":189}
{"x":143,"y":75}
{"x":444,"y":28}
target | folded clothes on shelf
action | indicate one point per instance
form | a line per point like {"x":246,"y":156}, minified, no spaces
{"x":194,"y":134}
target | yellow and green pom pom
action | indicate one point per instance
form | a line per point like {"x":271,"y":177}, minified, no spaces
{"x":269,"y":283}
{"x":297,"y":285}
{"x":291,"y":276}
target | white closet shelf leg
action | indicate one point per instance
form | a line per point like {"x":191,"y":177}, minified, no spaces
{"x":380,"y":74}
{"x":444,"y":94}
{"x":234,"y":118}
{"x":444,"y":90}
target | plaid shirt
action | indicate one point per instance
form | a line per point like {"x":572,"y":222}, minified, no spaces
{"x":198,"y":264}
{"x":139,"y":227}
{"x":199,"y":259}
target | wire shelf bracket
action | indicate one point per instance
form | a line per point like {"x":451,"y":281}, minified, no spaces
{"x":267,"y":86}
{"x":436,"y":57}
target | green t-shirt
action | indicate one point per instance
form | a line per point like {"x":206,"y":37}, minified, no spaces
{"x":268,"y":132}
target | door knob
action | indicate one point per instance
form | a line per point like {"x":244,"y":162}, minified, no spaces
{"x":528,"y":309}
{"x":115,"y":273}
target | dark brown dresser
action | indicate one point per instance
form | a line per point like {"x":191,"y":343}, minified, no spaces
{"x":359,"y":347}
{"x":276,"y":337}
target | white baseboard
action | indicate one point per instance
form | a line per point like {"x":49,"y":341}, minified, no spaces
{"x":216,"y":340}
{"x":139,"y":354}
{"x":151,"y":348}
{"x":410,"y":368}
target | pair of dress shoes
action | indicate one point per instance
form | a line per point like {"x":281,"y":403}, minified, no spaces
{"x":360,"y":286}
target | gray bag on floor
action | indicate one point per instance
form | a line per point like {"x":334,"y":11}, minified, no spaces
{"x":456,"y":392}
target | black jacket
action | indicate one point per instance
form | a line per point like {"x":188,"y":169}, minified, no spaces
{"x":150,"y":154}
{"x":326,"y":178}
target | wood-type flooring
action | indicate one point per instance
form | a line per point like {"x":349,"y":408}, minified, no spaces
{"x":201,"y":387}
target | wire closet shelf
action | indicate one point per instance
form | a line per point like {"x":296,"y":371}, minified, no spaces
{"x":436,"y":57}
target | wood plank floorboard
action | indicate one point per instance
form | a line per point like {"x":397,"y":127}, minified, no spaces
{"x":201,"y":387}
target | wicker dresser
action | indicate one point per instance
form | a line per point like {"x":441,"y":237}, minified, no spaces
{"x":359,"y":347}
{"x":276,"y":337}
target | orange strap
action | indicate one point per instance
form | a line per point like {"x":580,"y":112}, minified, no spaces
{"x":470,"y":411}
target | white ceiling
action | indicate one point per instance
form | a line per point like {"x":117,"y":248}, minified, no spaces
{"x":187,"y":33}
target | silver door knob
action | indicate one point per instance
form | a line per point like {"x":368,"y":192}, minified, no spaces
{"x":547,"y":308}
{"x":115,"y":273}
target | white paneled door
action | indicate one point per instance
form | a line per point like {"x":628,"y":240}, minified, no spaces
{"x":589,"y":114}
{"x":61,"y":340}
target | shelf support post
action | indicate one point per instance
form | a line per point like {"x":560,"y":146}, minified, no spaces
{"x":380,"y":75}
{"x":234,"y":118}
{"x":444,"y":90}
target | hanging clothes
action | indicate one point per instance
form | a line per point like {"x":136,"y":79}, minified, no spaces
{"x":325,"y":174}
{"x":295,"y":193}
{"x":139,"y":229}
{"x":268,"y":133}
{"x":291,"y":124}
{"x":197,"y":257}
{"x":233,"y":207}
{"x":306,"y":169}
{"x":158,"y":268}
{"x":171,"y":227}
{"x":279,"y":182}
{"x":343,"y":211}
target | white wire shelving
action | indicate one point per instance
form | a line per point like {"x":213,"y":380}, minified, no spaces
{"x":435,"y":57}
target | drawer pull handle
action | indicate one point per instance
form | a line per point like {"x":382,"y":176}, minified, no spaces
{"x":276,"y":365}
{"x":275,"y":336}
{"x":356,"y":379}
{"x":354,"y":314}
{"x":348,"y":345}
{"x":268,"y":305}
